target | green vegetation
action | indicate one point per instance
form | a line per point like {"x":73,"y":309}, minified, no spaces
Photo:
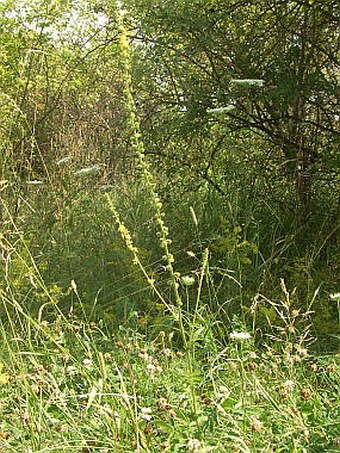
{"x":169,"y":236}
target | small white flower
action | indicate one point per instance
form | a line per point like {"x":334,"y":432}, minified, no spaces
{"x":146,"y":414}
{"x":224,"y":389}
{"x":248,"y":82}
{"x":240,"y":336}
{"x":167,"y":352}
{"x":87,"y":363}
{"x":71,"y":370}
{"x":221,"y":110}
{"x":35,"y":182}
{"x":73,"y":286}
{"x":193,"y":445}
{"x":289,"y":385}
{"x":223,"y":392}
{"x":151,"y":368}
{"x":182,"y":397}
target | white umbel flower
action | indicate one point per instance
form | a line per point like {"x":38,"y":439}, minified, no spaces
{"x":240,"y":336}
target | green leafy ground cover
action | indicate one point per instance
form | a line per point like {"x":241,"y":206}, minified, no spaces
{"x":71,"y":386}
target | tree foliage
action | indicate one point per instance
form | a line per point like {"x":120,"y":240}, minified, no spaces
{"x":204,"y":55}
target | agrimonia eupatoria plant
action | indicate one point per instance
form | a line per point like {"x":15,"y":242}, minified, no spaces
{"x":138,"y":149}
{"x":176,"y":308}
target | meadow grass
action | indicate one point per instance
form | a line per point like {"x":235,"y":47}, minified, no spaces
{"x":69,"y":385}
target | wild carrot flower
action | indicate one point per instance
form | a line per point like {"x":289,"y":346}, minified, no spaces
{"x":240,"y":336}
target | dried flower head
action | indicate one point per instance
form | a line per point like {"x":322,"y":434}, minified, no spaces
{"x":331,"y":368}
{"x":163,"y":404}
{"x":301,"y":351}
{"x":305,"y":394}
{"x":25,"y":417}
{"x":107,"y":356}
{"x":158,"y":369}
{"x":256,"y":425}
{"x":65,"y":358}
{"x":35,"y":388}
{"x":144,"y":356}
{"x":233,"y":366}
{"x":253,"y":366}
{"x":171,"y":413}
{"x":167,"y":352}
{"x":336,"y":441}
